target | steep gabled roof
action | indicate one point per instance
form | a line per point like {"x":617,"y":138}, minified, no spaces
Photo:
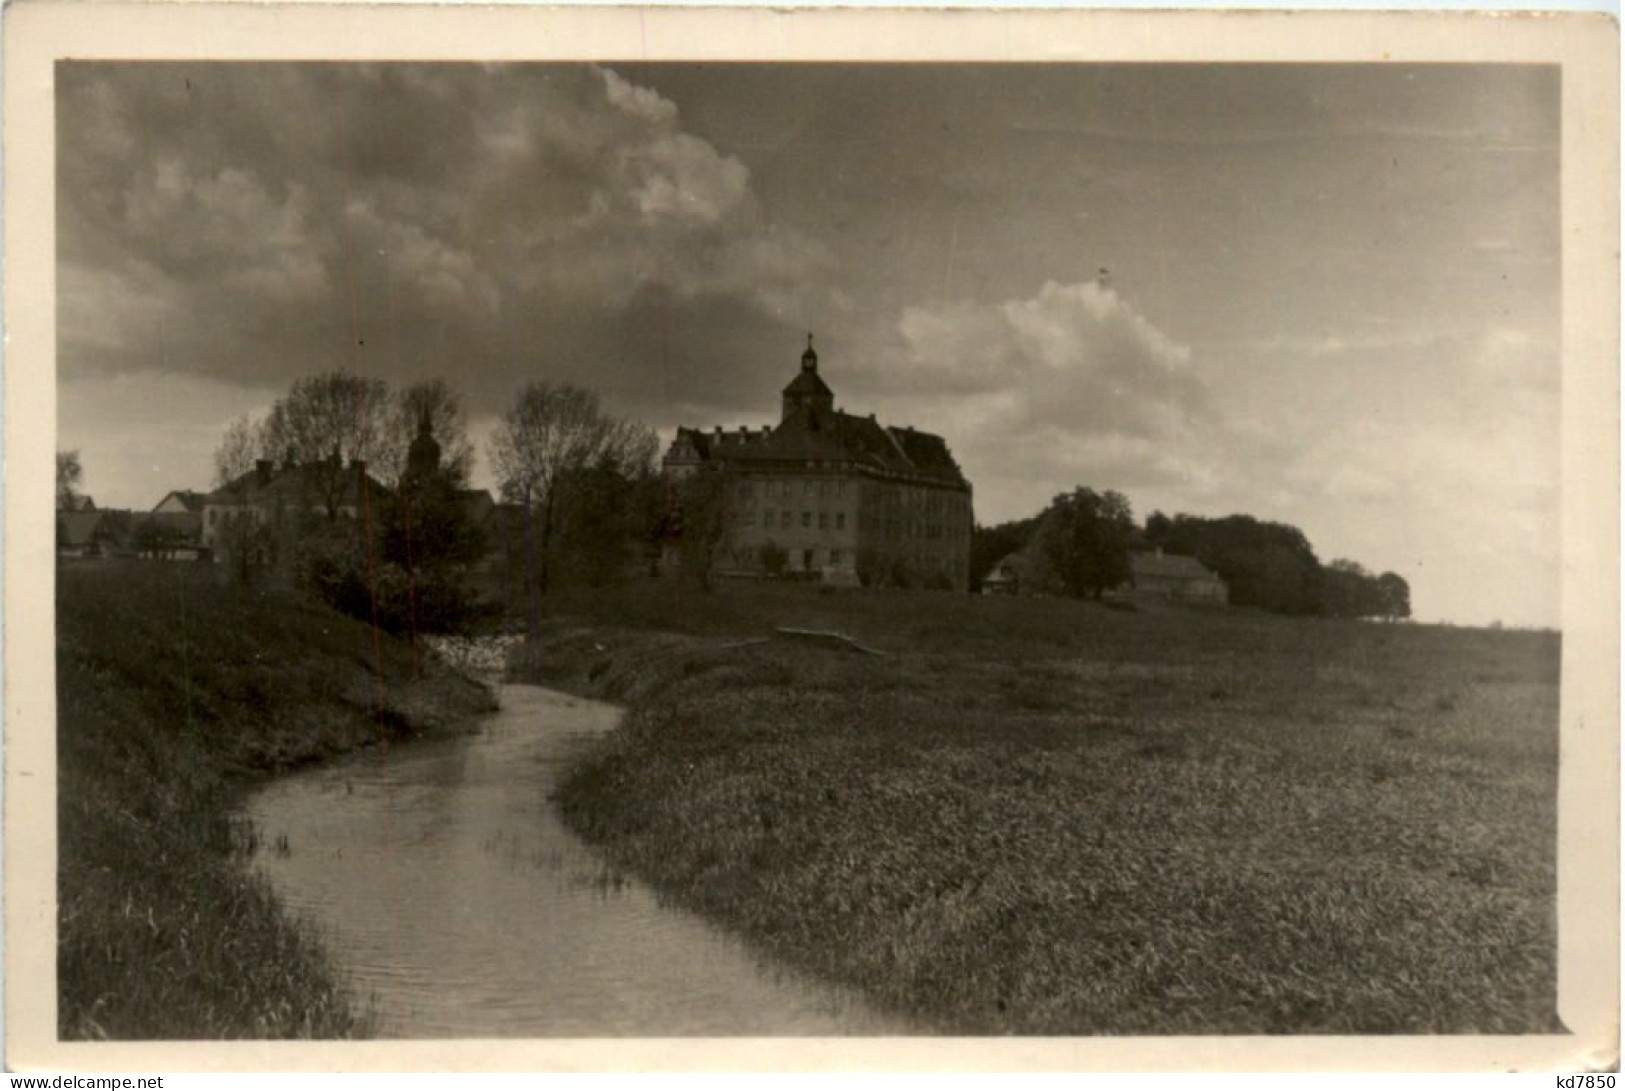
{"x":808,"y":435}
{"x":306,"y":483}
{"x":190,"y":499}
{"x":929,"y":453}
{"x":1169,"y":566}
{"x":701,"y":441}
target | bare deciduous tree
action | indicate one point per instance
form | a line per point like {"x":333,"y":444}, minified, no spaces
{"x":447,"y":423}
{"x":325,"y":419}
{"x":69,"y":476}
{"x":242,"y":444}
{"x":553,"y":430}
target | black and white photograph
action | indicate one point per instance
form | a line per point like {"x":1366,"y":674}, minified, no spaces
{"x":641,"y":546}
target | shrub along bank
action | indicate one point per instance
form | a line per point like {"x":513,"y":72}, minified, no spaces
{"x":173,"y":694}
{"x":1048,"y":817}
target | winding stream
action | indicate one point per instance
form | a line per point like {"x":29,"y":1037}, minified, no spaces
{"x":456,"y":902}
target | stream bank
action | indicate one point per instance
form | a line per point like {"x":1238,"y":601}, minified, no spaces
{"x":1044,"y":817}
{"x":455,"y":901}
{"x":174,"y":697}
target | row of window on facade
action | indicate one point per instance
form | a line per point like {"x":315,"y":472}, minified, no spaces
{"x":213,"y":517}
{"x":784,"y":520}
{"x":783,"y":488}
{"x":787,"y":518}
{"x":932,"y":501}
{"x":808,"y":558}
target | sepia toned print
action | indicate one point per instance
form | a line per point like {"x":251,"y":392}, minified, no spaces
{"x":688,"y":549}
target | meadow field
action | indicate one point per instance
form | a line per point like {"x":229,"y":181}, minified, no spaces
{"x":173,"y":695}
{"x":1057,"y":817}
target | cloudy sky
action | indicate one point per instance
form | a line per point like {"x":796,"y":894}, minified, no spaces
{"x":1331,"y":293}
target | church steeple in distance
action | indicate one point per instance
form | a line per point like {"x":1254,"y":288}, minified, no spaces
{"x":423,"y":456}
{"x":809,"y":359}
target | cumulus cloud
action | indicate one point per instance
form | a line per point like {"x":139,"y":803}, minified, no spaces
{"x":277,"y":219}
{"x":1076,"y":355}
{"x":443,"y":275}
{"x":1071,"y":384}
{"x":640,"y":102}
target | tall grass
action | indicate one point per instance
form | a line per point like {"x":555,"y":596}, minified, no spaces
{"x":1046,"y":817}
{"x":172,"y":693}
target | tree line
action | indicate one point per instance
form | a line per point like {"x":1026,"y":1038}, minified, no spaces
{"x":583,"y":502}
{"x":1081,"y":543}
{"x":579,"y":486}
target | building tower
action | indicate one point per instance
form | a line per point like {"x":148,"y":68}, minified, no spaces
{"x":807,"y":390}
{"x":423,"y":456}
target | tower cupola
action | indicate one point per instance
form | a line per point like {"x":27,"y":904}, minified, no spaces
{"x":807,"y":390}
{"x":423,"y":456}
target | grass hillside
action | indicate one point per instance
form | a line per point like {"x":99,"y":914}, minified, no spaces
{"x":172,"y":694}
{"x":1051,"y":817}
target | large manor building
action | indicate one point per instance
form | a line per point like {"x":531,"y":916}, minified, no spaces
{"x":835,"y":496}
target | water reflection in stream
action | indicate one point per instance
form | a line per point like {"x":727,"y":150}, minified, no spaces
{"x":447,"y":889}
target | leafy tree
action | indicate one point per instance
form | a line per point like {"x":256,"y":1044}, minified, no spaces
{"x":705,"y":504}
{"x":1395,"y":596}
{"x":605,"y":514}
{"x":149,"y":538}
{"x":1348,"y":590}
{"x":430,"y":539}
{"x":1085,"y":537}
{"x":331,"y":562}
{"x":1267,"y":565}
{"x":1157,"y":529}
{"x":245,"y":547}
{"x":70,"y":475}
{"x":553,"y":430}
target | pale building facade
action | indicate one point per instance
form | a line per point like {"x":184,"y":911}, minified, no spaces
{"x":259,"y":510}
{"x":835,"y":496}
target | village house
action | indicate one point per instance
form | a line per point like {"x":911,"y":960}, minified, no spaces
{"x":835,"y":496}
{"x":1004,"y":578}
{"x":181,"y":502}
{"x":1153,"y":574}
{"x":1171,"y":576}
{"x":91,"y":532}
{"x":173,"y":530}
{"x":252,"y":516}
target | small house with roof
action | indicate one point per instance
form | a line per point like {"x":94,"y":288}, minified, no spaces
{"x":836,"y":496}
{"x":252,"y":515}
{"x":86,"y":532}
{"x":1171,"y":576}
{"x":174,"y":527}
{"x":1004,"y":578}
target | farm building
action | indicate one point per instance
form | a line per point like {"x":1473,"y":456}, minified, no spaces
{"x":1169,"y":575}
{"x":174,"y":527}
{"x":1004,"y":578}
{"x":91,"y":532}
